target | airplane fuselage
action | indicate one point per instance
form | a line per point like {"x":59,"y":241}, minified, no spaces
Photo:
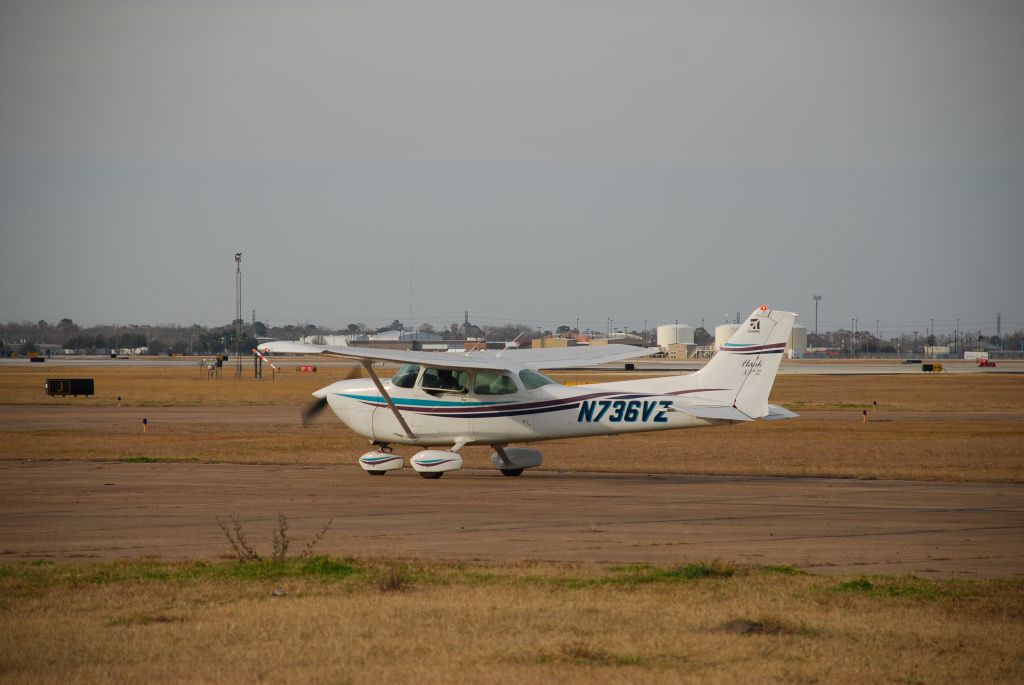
{"x":551,"y":412}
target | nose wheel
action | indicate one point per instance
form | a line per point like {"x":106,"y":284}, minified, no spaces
{"x":512,"y":473}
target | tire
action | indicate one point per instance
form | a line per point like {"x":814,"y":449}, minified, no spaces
{"x":512,"y":473}
{"x":377,"y":473}
{"x":432,"y":475}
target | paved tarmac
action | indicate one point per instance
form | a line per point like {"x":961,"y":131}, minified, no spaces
{"x":82,"y":511}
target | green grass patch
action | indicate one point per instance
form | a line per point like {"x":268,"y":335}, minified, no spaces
{"x":140,"y":459}
{"x":783,"y":570}
{"x":25,"y":577}
{"x":909,"y":587}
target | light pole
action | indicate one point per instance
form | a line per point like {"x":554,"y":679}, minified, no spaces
{"x":817,"y":299}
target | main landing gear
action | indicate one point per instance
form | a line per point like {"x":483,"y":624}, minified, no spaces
{"x":432,"y":463}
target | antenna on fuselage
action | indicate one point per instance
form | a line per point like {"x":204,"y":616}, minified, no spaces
{"x":510,"y":344}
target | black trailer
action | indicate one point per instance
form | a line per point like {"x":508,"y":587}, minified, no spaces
{"x":69,"y":386}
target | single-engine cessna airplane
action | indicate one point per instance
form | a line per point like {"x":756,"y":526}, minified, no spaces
{"x":499,"y":397}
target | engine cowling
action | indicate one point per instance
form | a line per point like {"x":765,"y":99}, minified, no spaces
{"x":380,"y":462}
{"x":431,"y":462}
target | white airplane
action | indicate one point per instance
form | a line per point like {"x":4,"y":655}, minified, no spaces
{"x":496,"y":398}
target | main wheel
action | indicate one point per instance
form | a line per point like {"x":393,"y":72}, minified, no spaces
{"x":377,"y":473}
{"x":432,"y":475}
{"x":512,"y":472}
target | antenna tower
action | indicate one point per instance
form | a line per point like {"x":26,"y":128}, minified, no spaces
{"x":238,"y":315}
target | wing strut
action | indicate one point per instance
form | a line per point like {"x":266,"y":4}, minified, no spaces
{"x":368,"y":365}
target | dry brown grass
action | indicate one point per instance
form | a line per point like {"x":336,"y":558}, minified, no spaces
{"x":133,"y":623}
{"x":919,"y":432}
{"x":163,"y":386}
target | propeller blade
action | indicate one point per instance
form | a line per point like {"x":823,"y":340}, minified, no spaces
{"x":311,"y":410}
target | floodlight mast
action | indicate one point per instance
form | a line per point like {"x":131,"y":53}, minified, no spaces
{"x":238,"y":314}
{"x":817,"y":299}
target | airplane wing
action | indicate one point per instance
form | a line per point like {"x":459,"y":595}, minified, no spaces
{"x":570,"y":357}
{"x":545,"y":358}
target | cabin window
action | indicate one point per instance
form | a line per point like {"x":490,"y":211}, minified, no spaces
{"x":493,"y":383}
{"x":406,"y":376}
{"x":444,"y":380}
{"x":533,"y":380}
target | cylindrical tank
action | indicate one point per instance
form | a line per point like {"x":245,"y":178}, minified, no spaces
{"x":797,"y":345}
{"x":672,"y":333}
{"x":723,"y":333}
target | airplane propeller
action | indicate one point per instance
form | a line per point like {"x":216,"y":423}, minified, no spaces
{"x":310,"y":411}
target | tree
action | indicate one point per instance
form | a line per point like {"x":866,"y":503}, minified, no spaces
{"x":426,"y":328}
{"x":395,"y":325}
{"x":27,"y":347}
{"x":67,"y":327}
{"x":702,"y":337}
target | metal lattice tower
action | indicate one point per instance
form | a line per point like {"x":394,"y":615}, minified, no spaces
{"x":238,"y":315}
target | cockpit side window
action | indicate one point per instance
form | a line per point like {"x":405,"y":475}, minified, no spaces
{"x":444,"y":380}
{"x":533,"y":380}
{"x":493,"y":383}
{"x":405,"y":377}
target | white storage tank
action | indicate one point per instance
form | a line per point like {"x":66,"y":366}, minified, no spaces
{"x":723,"y":333}
{"x":673,"y":333}
{"x":796,"y":347}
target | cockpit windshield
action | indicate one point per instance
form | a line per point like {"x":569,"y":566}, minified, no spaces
{"x":406,"y":376}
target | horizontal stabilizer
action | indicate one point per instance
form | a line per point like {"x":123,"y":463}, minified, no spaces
{"x":777,"y":413}
{"x":716,"y":413}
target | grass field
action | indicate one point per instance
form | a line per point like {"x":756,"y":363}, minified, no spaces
{"x":342,"y":621}
{"x":935,"y":427}
{"x":336,"y":620}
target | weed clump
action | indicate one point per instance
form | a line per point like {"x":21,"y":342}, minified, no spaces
{"x":391,"y":581}
{"x":279,"y":544}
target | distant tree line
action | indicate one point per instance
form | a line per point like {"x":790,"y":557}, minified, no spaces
{"x":25,"y":336}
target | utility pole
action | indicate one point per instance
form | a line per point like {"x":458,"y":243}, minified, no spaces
{"x":817,"y":299}
{"x":238,"y":315}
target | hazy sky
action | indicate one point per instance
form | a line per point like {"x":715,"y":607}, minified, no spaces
{"x":528,"y":161}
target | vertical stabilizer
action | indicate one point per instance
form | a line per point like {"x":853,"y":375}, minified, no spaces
{"x":749,"y":361}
